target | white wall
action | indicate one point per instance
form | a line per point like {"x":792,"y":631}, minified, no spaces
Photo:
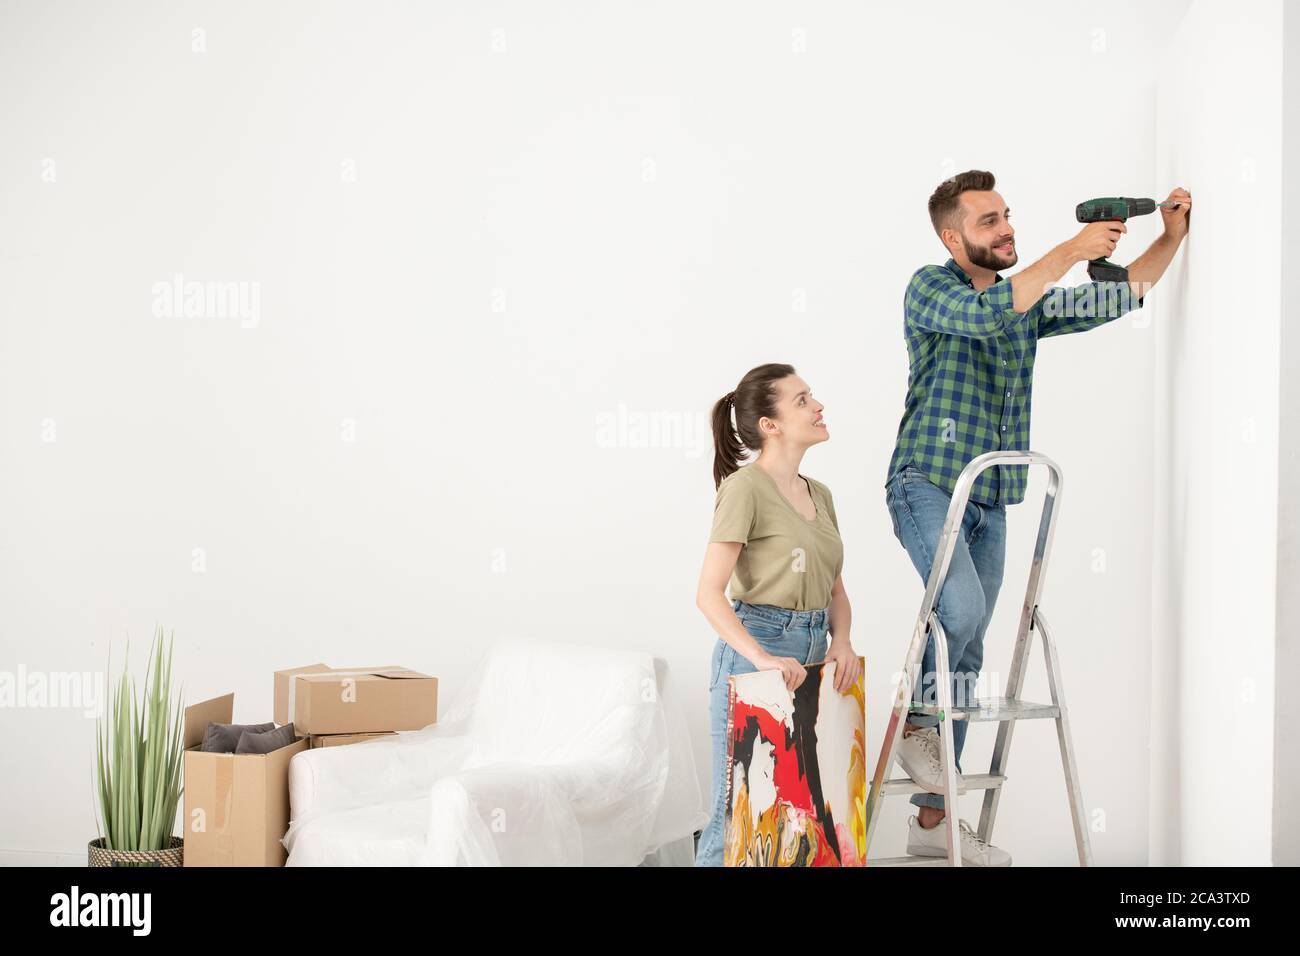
{"x":1218,"y":133}
{"x":1286,"y":756}
{"x":622,"y":210}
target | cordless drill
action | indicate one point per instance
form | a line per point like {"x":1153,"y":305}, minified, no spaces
{"x":1118,"y":208}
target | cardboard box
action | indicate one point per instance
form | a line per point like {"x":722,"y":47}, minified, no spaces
{"x":318,"y":699}
{"x":236,"y":805}
{"x":336,"y":740}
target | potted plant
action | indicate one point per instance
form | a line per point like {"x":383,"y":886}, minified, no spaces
{"x":138,"y":750}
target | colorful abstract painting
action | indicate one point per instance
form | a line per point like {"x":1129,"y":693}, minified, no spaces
{"x":797,"y":771}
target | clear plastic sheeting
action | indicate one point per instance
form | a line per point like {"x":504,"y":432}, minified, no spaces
{"x":555,"y":754}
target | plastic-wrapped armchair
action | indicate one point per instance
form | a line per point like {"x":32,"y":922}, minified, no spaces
{"x":556,"y":754}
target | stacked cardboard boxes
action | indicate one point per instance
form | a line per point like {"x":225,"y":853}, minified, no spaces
{"x":237,"y":805}
{"x":318,"y":699}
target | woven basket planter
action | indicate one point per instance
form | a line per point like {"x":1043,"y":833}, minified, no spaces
{"x":172,"y":856}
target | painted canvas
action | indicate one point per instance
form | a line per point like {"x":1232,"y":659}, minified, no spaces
{"x":796,"y":777}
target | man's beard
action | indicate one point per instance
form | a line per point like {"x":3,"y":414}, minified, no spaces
{"x":986,"y":258}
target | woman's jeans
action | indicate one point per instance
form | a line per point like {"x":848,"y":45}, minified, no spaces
{"x":918,"y":509}
{"x":780,"y":632}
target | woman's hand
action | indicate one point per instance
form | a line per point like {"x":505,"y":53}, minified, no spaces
{"x":792,"y":670}
{"x":847,"y":666}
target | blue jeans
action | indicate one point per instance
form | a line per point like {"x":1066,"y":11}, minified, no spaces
{"x":780,"y":632}
{"x":918,"y":509}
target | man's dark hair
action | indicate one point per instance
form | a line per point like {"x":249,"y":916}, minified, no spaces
{"x":945,"y":203}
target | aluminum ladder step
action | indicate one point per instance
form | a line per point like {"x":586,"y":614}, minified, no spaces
{"x":996,"y":708}
{"x":973,"y":781}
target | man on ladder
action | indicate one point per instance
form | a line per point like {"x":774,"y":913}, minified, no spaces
{"x":971,"y":338}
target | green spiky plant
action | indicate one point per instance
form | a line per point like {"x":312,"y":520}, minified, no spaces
{"x":138,"y":752}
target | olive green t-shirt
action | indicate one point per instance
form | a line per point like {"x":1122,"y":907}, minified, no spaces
{"x":787,"y":561}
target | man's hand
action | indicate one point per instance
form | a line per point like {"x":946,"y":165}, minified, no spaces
{"x":1177,"y":218}
{"x":1147,"y":269}
{"x":1097,"y":240}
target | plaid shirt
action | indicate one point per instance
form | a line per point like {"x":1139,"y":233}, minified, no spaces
{"x":971,"y":365}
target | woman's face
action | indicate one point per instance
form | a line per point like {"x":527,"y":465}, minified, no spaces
{"x":799,"y":414}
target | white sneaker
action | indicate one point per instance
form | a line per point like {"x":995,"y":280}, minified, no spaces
{"x":918,"y":752}
{"x":934,"y":842}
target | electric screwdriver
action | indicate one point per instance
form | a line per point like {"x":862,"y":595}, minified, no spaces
{"x":1113,"y":207}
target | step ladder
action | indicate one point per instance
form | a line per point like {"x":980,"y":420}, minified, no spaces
{"x":1005,"y":710}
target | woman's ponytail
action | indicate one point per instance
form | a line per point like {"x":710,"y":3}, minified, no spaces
{"x":754,"y":398}
{"x":727,"y":448}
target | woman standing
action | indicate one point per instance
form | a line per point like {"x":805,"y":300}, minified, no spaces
{"x":776,"y":540}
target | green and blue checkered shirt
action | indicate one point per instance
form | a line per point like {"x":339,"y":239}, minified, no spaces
{"x":971,"y":365}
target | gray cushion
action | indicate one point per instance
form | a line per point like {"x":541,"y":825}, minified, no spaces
{"x":223,"y":738}
{"x":254,"y":743}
